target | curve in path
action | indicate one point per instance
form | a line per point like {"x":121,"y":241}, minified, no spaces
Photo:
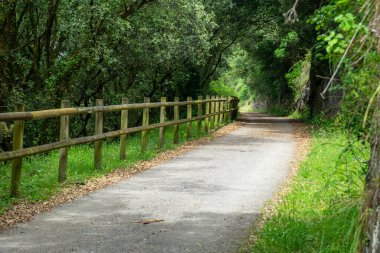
{"x":208,"y":200}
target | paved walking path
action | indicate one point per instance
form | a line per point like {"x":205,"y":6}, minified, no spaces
{"x":208,"y":200}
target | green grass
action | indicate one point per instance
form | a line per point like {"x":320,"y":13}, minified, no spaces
{"x":272,"y":111}
{"x":246,"y":106}
{"x":39,"y":173}
{"x":279,"y":111}
{"x":321,"y":212}
{"x":302,"y":115}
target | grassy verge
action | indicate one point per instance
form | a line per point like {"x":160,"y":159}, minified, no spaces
{"x":321,"y":211}
{"x":39,"y":175}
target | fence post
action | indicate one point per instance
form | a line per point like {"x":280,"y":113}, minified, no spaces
{"x":221,"y":117}
{"x":224,"y":111}
{"x":189,"y":116}
{"x":176,"y":117}
{"x":200,"y":112}
{"x":217,"y":111}
{"x":63,"y":136}
{"x":231,"y":114}
{"x":227,"y":109}
{"x":235,"y":108}
{"x":162,"y":120}
{"x":98,"y":130}
{"x":145,"y":133}
{"x":124,"y":126}
{"x":207,"y":119}
{"x":18,"y":141}
{"x":212,"y":112}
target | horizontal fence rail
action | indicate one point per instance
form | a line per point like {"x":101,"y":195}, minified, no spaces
{"x":52,"y":113}
{"x":217,"y":111}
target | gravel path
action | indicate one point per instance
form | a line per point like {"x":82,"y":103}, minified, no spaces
{"x":205,"y":200}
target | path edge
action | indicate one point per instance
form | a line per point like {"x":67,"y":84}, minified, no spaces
{"x":303,"y":138}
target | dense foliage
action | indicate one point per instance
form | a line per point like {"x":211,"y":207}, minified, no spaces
{"x":270,"y":51}
{"x":83,"y":50}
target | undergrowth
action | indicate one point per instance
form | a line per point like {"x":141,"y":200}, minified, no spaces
{"x":39,"y":173}
{"x":321,"y":211}
{"x":276,"y":111}
{"x":246,"y":106}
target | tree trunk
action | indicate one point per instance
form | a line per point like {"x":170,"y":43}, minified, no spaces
{"x":317,"y":84}
{"x":8,"y":42}
{"x":372,"y":201}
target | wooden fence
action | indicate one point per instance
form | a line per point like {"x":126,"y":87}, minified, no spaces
{"x":218,"y":110}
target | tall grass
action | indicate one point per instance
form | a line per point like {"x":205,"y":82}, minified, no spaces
{"x":321,"y":212}
{"x":39,"y":173}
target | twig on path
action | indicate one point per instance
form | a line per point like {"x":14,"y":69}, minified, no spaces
{"x":145,"y":222}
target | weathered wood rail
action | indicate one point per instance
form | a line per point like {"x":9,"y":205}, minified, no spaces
{"x":217,"y":111}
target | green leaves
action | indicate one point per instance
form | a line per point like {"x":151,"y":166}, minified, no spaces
{"x":298,"y":76}
{"x":346,"y":22}
{"x":336,"y":25}
{"x":289,"y":40}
